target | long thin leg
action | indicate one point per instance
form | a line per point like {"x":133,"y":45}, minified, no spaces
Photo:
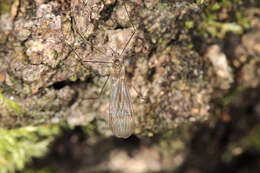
{"x":102,"y":90}
{"x":80,"y":59}
{"x":131,"y":25}
{"x":85,"y":40}
{"x":128,"y":16}
{"x":92,"y":61}
{"x":85,"y":3}
{"x":139,"y":94}
{"x":127,"y":43}
{"x":114,"y":52}
{"x":74,"y":50}
{"x":83,"y":37}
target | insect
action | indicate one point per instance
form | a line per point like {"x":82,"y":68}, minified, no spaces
{"x":121,"y":119}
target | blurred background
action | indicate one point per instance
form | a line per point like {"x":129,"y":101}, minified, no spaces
{"x":231,"y":143}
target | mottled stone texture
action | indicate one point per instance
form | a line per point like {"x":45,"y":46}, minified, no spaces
{"x":45,"y":76}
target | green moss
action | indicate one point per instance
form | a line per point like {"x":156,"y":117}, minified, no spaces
{"x":11,"y":104}
{"x":73,"y":78}
{"x":242,"y":20}
{"x":215,"y":6}
{"x":190,"y":46}
{"x":91,"y":128}
{"x":200,"y":1}
{"x":19,"y":146}
{"x":216,"y":27}
{"x":160,"y":40}
{"x":219,"y":29}
{"x":189,"y":24}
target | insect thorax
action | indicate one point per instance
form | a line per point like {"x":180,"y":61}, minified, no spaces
{"x":117,"y":65}
{"x":117,"y":70}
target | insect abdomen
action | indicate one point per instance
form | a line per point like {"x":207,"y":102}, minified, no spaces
{"x":122,"y":126}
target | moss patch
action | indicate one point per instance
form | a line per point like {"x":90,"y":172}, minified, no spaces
{"x":19,"y":146}
{"x":11,"y":104}
{"x":218,"y":19}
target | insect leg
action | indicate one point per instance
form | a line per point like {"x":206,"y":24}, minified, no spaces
{"x":128,"y":15}
{"x":133,"y":33}
{"x":102,"y":90}
{"x":139,"y":94}
{"x":85,"y":41}
{"x":85,"y":3}
{"x":74,"y":50}
{"x":83,"y":37}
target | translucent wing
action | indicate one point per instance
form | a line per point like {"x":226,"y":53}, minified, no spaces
{"x":121,"y":119}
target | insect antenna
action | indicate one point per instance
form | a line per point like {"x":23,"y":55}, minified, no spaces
{"x":132,"y":35}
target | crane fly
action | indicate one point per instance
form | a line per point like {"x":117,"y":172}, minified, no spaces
{"x":121,"y":119}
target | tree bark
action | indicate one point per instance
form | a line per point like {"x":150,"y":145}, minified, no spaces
{"x":46,"y":76}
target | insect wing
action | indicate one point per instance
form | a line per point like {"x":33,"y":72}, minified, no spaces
{"x":121,"y":119}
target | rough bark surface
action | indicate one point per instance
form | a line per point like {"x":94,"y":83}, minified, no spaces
{"x":49,"y":83}
{"x":193,"y":68}
{"x":45,"y":76}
